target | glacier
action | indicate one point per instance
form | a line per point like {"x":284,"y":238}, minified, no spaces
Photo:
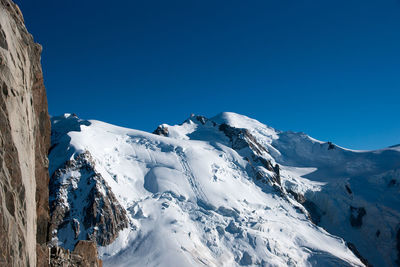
{"x":224,"y":191}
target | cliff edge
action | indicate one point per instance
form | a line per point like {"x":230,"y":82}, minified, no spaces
{"x":24,"y":144}
{"x":25,"y":140}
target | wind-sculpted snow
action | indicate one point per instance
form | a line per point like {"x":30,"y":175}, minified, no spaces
{"x":205,"y":195}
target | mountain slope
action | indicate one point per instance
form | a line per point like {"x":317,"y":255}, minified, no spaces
{"x":221,"y":192}
{"x":359,"y":197}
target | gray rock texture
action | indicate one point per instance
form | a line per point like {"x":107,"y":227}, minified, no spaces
{"x":24,"y":145}
{"x":24,"y":142}
{"x":161,"y":130}
{"x":82,"y":205}
{"x":83,"y":255}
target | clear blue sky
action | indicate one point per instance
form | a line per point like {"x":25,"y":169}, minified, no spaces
{"x":327,"y":68}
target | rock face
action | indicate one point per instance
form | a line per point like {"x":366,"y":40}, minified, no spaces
{"x":246,"y":144}
{"x":25,"y":139}
{"x":24,"y":145}
{"x":161,"y":130}
{"x":241,"y":138}
{"x":356,"y":215}
{"x":77,"y":189}
{"x":84,"y":255}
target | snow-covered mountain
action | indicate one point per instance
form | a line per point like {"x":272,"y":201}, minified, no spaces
{"x":225,"y":191}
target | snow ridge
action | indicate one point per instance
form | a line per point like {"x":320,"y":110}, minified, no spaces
{"x":231,"y":191}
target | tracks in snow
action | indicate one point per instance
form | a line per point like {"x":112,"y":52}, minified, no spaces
{"x":187,"y":171}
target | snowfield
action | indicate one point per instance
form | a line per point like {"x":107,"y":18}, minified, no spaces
{"x":261,"y":197}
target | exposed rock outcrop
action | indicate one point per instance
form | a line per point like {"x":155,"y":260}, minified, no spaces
{"x":241,"y":138}
{"x":314,"y":213}
{"x":353,"y":248}
{"x":83,"y":255}
{"x":76,"y":189}
{"x":24,"y":144}
{"x":356,"y":216}
{"x":203,"y":120}
{"x":331,"y":146}
{"x":161,"y":130}
{"x":25,"y":139}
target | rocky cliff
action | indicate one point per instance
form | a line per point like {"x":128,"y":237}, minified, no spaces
{"x":77,"y":189}
{"x":25,"y":139}
{"x":24,"y":145}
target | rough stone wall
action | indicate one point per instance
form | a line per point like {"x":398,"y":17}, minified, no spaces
{"x":84,"y":255}
{"x":82,"y":205}
{"x":24,"y":142}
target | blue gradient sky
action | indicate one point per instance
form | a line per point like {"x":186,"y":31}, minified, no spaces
{"x":327,"y":68}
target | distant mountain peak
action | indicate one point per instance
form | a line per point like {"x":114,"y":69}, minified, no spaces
{"x":230,"y":187}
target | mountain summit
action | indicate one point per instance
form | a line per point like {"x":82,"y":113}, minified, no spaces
{"x":225,"y":191}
